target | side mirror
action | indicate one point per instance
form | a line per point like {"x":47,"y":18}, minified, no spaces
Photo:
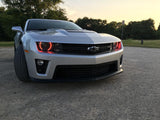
{"x":17,"y":28}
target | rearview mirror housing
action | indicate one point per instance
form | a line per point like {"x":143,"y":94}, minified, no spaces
{"x":17,"y":28}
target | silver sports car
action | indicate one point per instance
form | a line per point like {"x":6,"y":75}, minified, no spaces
{"x":61,"y":50}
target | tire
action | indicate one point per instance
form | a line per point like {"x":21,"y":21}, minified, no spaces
{"x":20,"y":65}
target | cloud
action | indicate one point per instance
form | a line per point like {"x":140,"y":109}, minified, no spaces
{"x":1,"y":3}
{"x":71,"y":13}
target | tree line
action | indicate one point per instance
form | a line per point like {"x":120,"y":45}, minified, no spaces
{"x":16,"y":12}
{"x":144,"y":29}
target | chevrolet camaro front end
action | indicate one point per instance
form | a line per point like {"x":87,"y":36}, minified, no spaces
{"x":61,"y":50}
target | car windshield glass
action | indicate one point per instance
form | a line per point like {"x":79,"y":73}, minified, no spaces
{"x":51,"y":24}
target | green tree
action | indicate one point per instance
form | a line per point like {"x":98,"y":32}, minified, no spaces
{"x":97,"y":25}
{"x":35,"y":8}
{"x":158,"y":32}
{"x":101,"y":26}
{"x":158,"y":27}
{"x":141,"y":30}
{"x":18,"y":11}
{"x":115,"y":29}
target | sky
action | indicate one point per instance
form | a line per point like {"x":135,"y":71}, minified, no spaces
{"x":0,"y":3}
{"x":114,"y":10}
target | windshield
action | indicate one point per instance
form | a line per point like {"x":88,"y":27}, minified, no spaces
{"x":51,"y":24}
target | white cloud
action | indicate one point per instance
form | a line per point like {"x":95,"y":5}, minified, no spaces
{"x":1,"y":4}
{"x":71,"y":13}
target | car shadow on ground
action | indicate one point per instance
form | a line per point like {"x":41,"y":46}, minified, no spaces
{"x":69,"y":85}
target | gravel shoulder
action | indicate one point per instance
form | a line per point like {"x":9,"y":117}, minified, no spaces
{"x":132,"y":95}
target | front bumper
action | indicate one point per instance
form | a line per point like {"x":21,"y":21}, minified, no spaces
{"x":55,"y":60}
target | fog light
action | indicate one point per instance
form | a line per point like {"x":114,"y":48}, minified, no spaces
{"x":40,"y":62}
{"x":41,"y":66}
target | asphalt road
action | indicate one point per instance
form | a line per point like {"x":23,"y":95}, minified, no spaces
{"x":132,"y":95}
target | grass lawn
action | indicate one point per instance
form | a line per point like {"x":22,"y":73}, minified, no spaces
{"x":146,"y":43}
{"x":132,"y":43}
{"x":6,"y":43}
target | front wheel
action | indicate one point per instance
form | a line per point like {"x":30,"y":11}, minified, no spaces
{"x":20,"y":65}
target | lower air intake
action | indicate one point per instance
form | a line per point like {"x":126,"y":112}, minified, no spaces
{"x":84,"y":71}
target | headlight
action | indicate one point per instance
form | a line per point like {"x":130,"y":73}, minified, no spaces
{"x":48,"y":47}
{"x":116,"y":46}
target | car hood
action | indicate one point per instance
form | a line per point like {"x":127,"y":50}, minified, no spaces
{"x":71,"y":36}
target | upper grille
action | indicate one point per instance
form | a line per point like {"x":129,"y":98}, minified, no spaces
{"x":85,"y":49}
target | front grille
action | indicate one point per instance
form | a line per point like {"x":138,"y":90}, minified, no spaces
{"x":85,"y":49}
{"x":84,"y":71}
